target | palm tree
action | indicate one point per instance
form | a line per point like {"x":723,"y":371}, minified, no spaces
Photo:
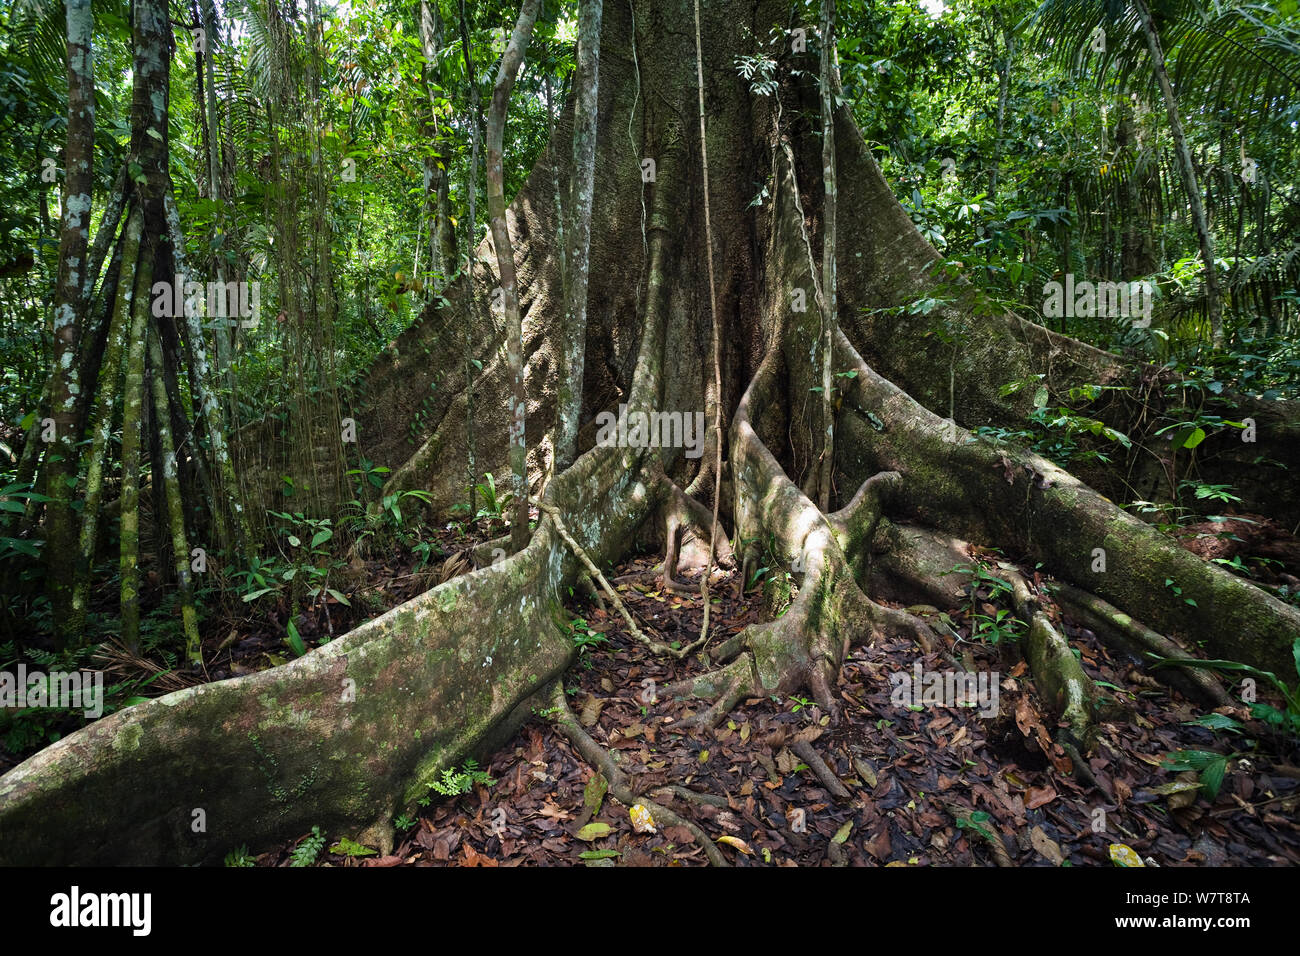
{"x":1243,"y":58}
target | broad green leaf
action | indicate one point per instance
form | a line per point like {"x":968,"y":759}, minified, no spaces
{"x":593,"y":831}
{"x":351,"y":848}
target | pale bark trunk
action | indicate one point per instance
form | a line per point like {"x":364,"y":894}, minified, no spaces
{"x":830,"y":309}
{"x":579,"y":234}
{"x":69,"y":312}
{"x":232,"y":524}
{"x":510,"y":62}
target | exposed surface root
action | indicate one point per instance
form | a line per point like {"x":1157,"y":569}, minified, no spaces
{"x":1058,"y":674}
{"x":607,"y":762}
{"x":1120,"y":630}
{"x":808,"y":753}
{"x":682,"y":515}
{"x":1000,"y":495}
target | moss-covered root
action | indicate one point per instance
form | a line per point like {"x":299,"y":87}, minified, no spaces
{"x":341,"y":738}
{"x":1121,"y":632}
{"x":607,"y":763}
{"x":1058,"y":675}
{"x":805,"y":647}
{"x":1021,"y":502}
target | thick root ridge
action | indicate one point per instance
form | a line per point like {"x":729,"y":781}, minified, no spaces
{"x":805,"y":647}
{"x":1007,"y":497}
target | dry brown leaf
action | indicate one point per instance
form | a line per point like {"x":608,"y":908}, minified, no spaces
{"x":1038,"y":797}
{"x":1046,"y":846}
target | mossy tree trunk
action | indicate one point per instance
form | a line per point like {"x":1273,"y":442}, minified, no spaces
{"x":111,"y":356}
{"x":61,"y":472}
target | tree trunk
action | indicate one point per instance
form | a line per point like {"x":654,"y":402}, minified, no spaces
{"x":471,"y":253}
{"x":352,"y":733}
{"x":435,"y":168}
{"x":174,"y":519}
{"x":110,"y":371}
{"x":132,"y":440}
{"x":830,"y":313}
{"x":69,"y":311}
{"x":510,"y":62}
{"x":223,"y":334}
{"x":1004,"y":86}
{"x":579,"y":233}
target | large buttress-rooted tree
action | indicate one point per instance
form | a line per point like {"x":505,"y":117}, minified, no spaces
{"x":353,"y":732}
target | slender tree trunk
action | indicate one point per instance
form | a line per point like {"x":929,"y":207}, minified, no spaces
{"x":434,"y":177}
{"x":579,"y":234}
{"x":132,"y":442}
{"x":175,"y":516}
{"x":510,"y":62}
{"x":102,"y":422}
{"x":471,"y":255}
{"x":1188,"y":170}
{"x":104,"y":235}
{"x":830,"y":310}
{"x":234,"y":529}
{"x":717,"y":331}
{"x":61,"y":457}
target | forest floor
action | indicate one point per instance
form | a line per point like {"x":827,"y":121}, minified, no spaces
{"x":927,"y":784}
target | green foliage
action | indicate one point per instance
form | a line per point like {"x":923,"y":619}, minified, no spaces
{"x":25,"y":730}
{"x":495,"y":505}
{"x":308,"y":563}
{"x":240,"y":857}
{"x":1287,"y":718}
{"x":294,"y":639}
{"x":349,"y":847}
{"x":367,"y":476}
{"x":1178,"y":591}
{"x":584,"y":639}
{"x":456,"y":782}
{"x":260,"y":577}
{"x":976,"y":822}
{"x":305,"y":853}
{"x":987,"y":588}
{"x":1001,"y":624}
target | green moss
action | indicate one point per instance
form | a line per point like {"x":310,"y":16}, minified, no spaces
{"x":129,"y":737}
